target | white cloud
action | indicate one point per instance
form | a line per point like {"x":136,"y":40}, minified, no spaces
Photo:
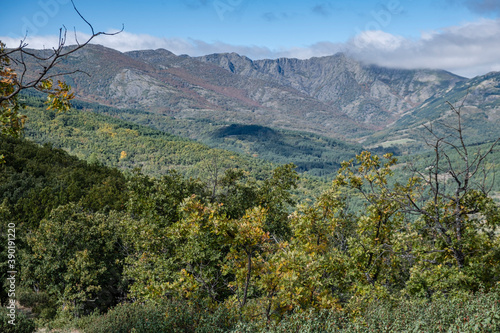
{"x":38,"y":42}
{"x":376,"y":39}
{"x":126,"y":41}
{"x":469,"y":49}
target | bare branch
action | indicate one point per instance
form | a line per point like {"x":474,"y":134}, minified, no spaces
{"x":83,"y":18}
{"x":48,"y":62}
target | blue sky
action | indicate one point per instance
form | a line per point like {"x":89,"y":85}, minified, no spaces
{"x":462,"y":36}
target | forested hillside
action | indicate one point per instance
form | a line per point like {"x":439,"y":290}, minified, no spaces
{"x":130,"y":139}
{"x":314,"y":154}
{"x":113,"y":142}
{"x":238,"y":252}
{"x":201,"y":205}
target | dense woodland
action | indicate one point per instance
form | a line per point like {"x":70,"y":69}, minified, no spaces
{"x":75,"y":131}
{"x":123,"y":227}
{"x":386,"y":246}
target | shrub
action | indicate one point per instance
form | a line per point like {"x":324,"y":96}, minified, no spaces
{"x":23,"y":324}
{"x":31,"y":299}
{"x":478,"y":312}
{"x":471,"y":313}
{"x":155,"y":318}
{"x":40,"y":303}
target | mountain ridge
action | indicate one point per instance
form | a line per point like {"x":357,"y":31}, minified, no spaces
{"x":339,"y":80}
{"x":333,"y":95}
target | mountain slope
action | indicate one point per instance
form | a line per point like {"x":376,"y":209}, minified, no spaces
{"x":117,"y":143}
{"x":478,"y":100}
{"x":335,"y":96}
{"x":317,"y":155}
{"x":368,"y":94}
{"x":232,"y":97}
{"x":160,"y":82}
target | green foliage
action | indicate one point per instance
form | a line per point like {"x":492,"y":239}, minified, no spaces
{"x":34,"y":180}
{"x":314,"y":154}
{"x":41,"y":304}
{"x":76,"y":257}
{"x":23,"y":324}
{"x":379,"y":249}
{"x":276,"y":198}
{"x":238,"y":191}
{"x":40,"y":187}
{"x":58,"y":96}
{"x":128,"y":318}
{"x":4,"y":268}
{"x":470,"y":313}
{"x":158,"y":199}
{"x":176,"y":316}
{"x":11,"y":121}
{"x":233,"y":249}
{"x":125,"y":145}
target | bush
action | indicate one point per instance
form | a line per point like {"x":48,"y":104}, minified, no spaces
{"x":126,"y":317}
{"x":301,"y":322}
{"x":31,"y":299}
{"x":478,"y":312}
{"x":470,"y":313}
{"x":42,"y":305}
{"x":155,"y":318}
{"x":23,"y":324}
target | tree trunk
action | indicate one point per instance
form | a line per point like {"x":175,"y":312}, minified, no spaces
{"x":247,"y":282}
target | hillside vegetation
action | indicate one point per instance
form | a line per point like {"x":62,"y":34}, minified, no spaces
{"x":117,"y":143}
{"x":158,"y":143}
{"x":221,"y":194}
{"x":334,"y":96}
{"x":317,"y":155}
{"x":234,"y":250}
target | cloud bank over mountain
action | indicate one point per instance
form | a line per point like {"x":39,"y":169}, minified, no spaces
{"x":469,"y":49}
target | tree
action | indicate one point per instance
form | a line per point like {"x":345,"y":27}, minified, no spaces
{"x":378,"y":250}
{"x":312,"y":264}
{"x":41,"y":79}
{"x":156,"y":240}
{"x":76,"y":257}
{"x":458,"y":222}
{"x":275,"y":196}
{"x":248,"y":242}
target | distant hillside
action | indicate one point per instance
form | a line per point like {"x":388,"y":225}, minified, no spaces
{"x":478,"y":100}
{"x":332,"y":96}
{"x":160,"y":82}
{"x":370,"y":95}
{"x":117,"y":143}
{"x":314,"y":154}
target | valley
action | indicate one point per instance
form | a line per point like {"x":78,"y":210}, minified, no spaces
{"x":333,"y":96}
{"x":217,"y":192}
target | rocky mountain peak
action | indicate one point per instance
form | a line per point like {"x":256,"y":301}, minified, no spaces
{"x":334,"y":95}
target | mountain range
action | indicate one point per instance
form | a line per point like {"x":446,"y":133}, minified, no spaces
{"x":334,"y":96}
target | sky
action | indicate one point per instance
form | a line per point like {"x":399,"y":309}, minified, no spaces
{"x":461,"y":36}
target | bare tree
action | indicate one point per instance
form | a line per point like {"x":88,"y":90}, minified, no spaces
{"x":454,"y":186}
{"x":13,"y":83}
